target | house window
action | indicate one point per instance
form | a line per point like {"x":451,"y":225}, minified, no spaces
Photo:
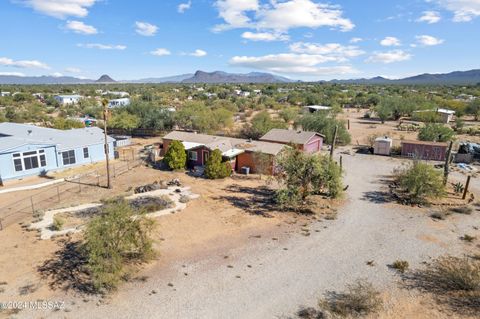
{"x":68,"y":157}
{"x":85,"y":152}
{"x":29,"y":160}
{"x":192,"y":156}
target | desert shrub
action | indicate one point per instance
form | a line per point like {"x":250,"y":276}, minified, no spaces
{"x":420,"y":182}
{"x":176,"y":157}
{"x":115,"y":238}
{"x":301,"y":175}
{"x":400,"y":265}
{"x":458,"y":188}
{"x":184,"y":199}
{"x":436,"y":133}
{"x":440,"y":215}
{"x":359,"y":299}
{"x":454,"y":274}
{"x":57,"y":224}
{"x":149,"y":204}
{"x":215,"y":168}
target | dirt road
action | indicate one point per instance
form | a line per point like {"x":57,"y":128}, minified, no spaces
{"x":269,"y":277}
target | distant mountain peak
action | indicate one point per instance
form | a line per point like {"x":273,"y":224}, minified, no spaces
{"x":224,"y":77}
{"x":105,"y":79}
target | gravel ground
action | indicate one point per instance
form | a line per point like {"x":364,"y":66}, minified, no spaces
{"x":270,"y":278}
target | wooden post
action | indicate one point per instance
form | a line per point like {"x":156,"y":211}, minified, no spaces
{"x":33,"y":207}
{"x":446,"y":168}
{"x":114,"y":172}
{"x":106,"y":146}
{"x":98,"y":178}
{"x":341,"y":163}
{"x":465,"y":191}
{"x":334,"y":141}
{"x":58,"y":193}
{"x":348,"y":122}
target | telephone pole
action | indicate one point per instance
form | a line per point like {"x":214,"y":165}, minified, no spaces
{"x":107,"y":148}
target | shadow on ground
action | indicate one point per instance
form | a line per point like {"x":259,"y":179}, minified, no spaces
{"x":254,"y":200}
{"x":66,"y":270}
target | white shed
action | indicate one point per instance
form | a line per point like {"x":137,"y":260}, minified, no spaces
{"x":382,"y":146}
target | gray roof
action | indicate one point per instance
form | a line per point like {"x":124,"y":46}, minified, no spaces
{"x":289,"y":136}
{"x":15,"y":135}
{"x":225,"y":143}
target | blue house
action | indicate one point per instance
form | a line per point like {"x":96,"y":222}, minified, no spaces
{"x":27,"y":150}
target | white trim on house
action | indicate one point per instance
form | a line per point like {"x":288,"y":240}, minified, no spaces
{"x":38,"y":154}
{"x":191,"y":157}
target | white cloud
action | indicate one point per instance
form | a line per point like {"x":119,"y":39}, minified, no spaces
{"x":428,"y":40}
{"x":234,"y":13}
{"x":182,"y":7}
{"x":73,"y":70}
{"x":332,"y":51}
{"x":12,"y":74}
{"x":60,"y":9}
{"x":430,"y":17}
{"x":197,"y":53}
{"x":102,"y":46}
{"x":27,"y":64}
{"x":390,"y":42}
{"x":146,"y":29}
{"x":81,"y":28}
{"x":280,"y":16}
{"x":356,"y":40}
{"x":463,"y":10}
{"x":389,"y":56}
{"x":292,"y":64}
{"x":265,"y":36}
{"x":160,"y":52}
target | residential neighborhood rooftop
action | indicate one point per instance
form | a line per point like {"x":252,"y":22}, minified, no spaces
{"x":289,"y":136}
{"x":225,"y":143}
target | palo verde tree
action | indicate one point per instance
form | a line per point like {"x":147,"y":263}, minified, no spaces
{"x":215,"y":168}
{"x":176,"y":157}
{"x":436,"y":133}
{"x":420,"y":182}
{"x":301,"y":175}
{"x":324,"y":123}
{"x":118,"y":236}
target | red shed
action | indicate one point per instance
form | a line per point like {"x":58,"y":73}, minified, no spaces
{"x":433,"y":151}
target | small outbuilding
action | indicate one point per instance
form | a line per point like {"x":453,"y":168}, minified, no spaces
{"x":310,"y":142}
{"x":425,"y":150}
{"x":382,"y":146}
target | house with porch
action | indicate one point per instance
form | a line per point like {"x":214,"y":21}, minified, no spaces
{"x":241,"y":153}
{"x":27,"y":150}
{"x":310,"y":142}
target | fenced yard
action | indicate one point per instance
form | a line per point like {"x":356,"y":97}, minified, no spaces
{"x":31,"y":206}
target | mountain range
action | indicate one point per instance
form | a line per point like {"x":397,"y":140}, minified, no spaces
{"x":470,"y":77}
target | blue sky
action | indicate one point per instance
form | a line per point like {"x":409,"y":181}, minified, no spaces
{"x":301,"y":39}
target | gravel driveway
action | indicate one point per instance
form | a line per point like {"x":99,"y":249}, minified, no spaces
{"x":271,"y":278}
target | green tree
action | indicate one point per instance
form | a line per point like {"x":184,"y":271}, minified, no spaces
{"x":301,"y":175}
{"x":117,"y":236}
{"x":176,"y":157}
{"x":420,"y":182}
{"x":260,"y":125}
{"x":215,"y":168}
{"x":323,"y":123}
{"x":436,"y":133}
{"x":61,"y":123}
{"x":124,"y":120}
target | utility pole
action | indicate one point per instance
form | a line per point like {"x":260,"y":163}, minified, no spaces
{"x":107,"y":148}
{"x":334,"y":141}
{"x":446,"y":168}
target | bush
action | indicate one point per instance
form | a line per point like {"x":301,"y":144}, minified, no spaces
{"x":466,"y":210}
{"x":57,"y":224}
{"x":360,"y":299}
{"x":176,"y":157}
{"x":455,"y":274}
{"x":115,"y":238}
{"x":400,"y":265}
{"x":420,"y":181}
{"x":301,"y":175}
{"x":215,"y":168}
{"x":436,"y":133}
